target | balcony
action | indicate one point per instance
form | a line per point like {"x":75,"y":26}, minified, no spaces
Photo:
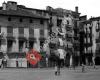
{"x":21,"y":37}
{"x":10,"y":36}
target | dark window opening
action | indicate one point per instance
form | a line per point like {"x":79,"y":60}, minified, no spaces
{"x":31,"y":44}
{"x":9,"y":18}
{"x":67,"y":15}
{"x":9,"y":45}
{"x":21,"y":20}
{"x":67,"y":22}
{"x":41,"y":43}
{"x":59,"y":22}
{"x":41,"y":21}
{"x":21,"y":46}
{"x":31,"y":21}
{"x":42,"y":32}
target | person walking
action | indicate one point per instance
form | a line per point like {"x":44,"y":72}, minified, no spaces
{"x":60,"y":61}
{"x":3,"y":63}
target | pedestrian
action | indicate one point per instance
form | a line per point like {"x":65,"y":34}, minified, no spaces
{"x":93,"y":60}
{"x":2,"y":63}
{"x":60,"y":60}
{"x":83,"y":67}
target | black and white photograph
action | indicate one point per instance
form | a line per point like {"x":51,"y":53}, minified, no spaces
{"x":49,"y":40}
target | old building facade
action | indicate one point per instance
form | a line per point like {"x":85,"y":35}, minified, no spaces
{"x":95,"y":39}
{"x":89,"y":44}
{"x":26,"y":28}
{"x":22,"y":28}
{"x":68,"y":21}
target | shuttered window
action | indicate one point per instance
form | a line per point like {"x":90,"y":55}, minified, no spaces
{"x":9,"y":29}
{"x":41,"y":32}
{"x":21,"y":30}
{"x":31,"y":31}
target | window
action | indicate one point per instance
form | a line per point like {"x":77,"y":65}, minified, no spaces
{"x":67,"y":21}
{"x":20,"y":20}
{"x":9,"y":45}
{"x":41,"y":32}
{"x":41,"y":21}
{"x":31,"y":21}
{"x":21,"y":46}
{"x":67,"y":15}
{"x":59,"y":22}
{"x":31,"y":44}
{"x":10,"y":29}
{"x":9,"y":18}
{"x":31,"y":31}
{"x":21,"y":30}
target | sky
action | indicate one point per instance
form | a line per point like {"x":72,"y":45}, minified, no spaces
{"x":86,"y":7}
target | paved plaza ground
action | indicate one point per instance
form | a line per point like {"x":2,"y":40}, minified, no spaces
{"x":48,"y":74}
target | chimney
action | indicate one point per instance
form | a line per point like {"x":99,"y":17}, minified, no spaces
{"x":76,"y":9}
{"x":49,"y":8}
{"x":4,"y":6}
{"x":11,"y":5}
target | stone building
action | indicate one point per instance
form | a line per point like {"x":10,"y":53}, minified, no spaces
{"x":86,"y":47}
{"x":68,"y":21}
{"x":22,"y":28}
{"x":96,"y":38}
{"x":90,"y":45}
{"x":26,"y":28}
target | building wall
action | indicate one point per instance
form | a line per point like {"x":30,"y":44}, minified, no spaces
{"x":4,"y":23}
{"x":96,"y":36}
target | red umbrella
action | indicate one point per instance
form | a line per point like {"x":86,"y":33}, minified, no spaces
{"x":33,"y":57}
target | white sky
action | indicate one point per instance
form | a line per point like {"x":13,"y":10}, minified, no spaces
{"x":86,"y":7}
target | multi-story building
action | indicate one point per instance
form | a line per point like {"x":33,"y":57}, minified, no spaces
{"x":68,"y":21}
{"x":26,"y":28}
{"x":89,"y":43}
{"x":22,"y":27}
{"x":96,"y":38}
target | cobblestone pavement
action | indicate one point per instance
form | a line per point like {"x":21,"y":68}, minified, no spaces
{"x":48,"y":74}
